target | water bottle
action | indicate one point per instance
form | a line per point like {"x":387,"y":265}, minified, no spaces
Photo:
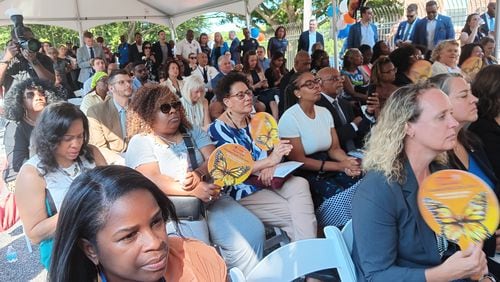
{"x":11,"y":255}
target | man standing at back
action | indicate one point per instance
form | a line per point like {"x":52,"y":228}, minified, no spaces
{"x":488,"y":27}
{"x":85,"y":54}
{"x":434,"y":28}
{"x":364,"y":31}
{"x":187,"y":46}
{"x":135,"y":51}
{"x":234,"y":49}
{"x":309,"y":37}
{"x":108,"y":120}
{"x":406,"y":28}
{"x":161,"y":49}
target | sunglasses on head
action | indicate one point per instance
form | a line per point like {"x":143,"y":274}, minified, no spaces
{"x":166,"y":108}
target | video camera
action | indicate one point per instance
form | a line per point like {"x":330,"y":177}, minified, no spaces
{"x":30,"y":44}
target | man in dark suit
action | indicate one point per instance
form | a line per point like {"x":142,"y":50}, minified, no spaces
{"x":135,"y":51}
{"x":364,"y":31}
{"x":309,"y":37}
{"x":301,"y":63}
{"x":432,"y":29}
{"x":351,"y":129}
{"x":489,"y":19}
{"x":406,"y":28}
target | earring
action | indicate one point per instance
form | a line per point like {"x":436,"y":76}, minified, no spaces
{"x":299,"y":96}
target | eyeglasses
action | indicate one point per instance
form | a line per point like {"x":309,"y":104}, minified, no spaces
{"x":310,"y":84}
{"x":391,"y":70}
{"x":122,"y":82}
{"x":241,"y":95}
{"x":192,"y":58}
{"x":333,"y":78}
{"x":30,"y":94}
{"x":147,"y":47}
{"x":166,"y":108}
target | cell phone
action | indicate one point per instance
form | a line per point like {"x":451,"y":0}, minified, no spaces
{"x":370,"y":90}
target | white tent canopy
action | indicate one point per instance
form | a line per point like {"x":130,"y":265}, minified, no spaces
{"x":80,"y":15}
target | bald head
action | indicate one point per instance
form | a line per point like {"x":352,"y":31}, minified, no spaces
{"x":331,"y":81}
{"x":302,"y":61}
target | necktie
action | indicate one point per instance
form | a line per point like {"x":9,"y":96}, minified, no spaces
{"x":92,"y":55}
{"x":205,"y":75}
{"x":123,"y":122}
{"x":336,"y":105}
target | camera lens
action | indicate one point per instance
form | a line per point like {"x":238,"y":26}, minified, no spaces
{"x":32,"y":45}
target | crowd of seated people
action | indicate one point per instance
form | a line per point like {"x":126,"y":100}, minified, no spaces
{"x":367,"y":134}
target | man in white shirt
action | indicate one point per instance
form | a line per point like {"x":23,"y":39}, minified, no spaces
{"x":309,"y":37}
{"x":206,"y":73}
{"x":187,"y":46}
{"x":364,"y":31}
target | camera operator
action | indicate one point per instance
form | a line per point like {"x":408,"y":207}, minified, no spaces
{"x":20,"y":63}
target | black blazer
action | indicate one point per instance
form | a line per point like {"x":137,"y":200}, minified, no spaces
{"x":346,"y":132}
{"x":304,"y":40}
{"x":133,"y":53}
{"x":156,"y":48}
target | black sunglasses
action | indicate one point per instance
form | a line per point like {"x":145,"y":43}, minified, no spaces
{"x":166,"y":108}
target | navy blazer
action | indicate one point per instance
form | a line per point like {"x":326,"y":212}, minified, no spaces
{"x":304,"y":40}
{"x":400,"y":33}
{"x":354,"y":38}
{"x":444,"y":30}
{"x":346,"y":132}
{"x":391,"y":239}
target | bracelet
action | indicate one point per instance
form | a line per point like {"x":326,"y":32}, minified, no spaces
{"x":4,"y":62}
{"x":489,"y":277}
{"x":321,"y":167}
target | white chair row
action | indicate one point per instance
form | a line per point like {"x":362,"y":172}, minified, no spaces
{"x":299,"y":258}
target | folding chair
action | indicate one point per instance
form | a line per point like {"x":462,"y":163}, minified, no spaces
{"x":302,"y":257}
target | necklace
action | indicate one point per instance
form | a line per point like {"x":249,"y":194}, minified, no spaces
{"x":71,"y":172}
{"x":228,"y":114}
{"x":167,"y":141}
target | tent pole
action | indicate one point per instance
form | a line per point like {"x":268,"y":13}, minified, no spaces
{"x":247,"y":13}
{"x":79,"y":22}
{"x":497,"y":32}
{"x":334,"y":34}
{"x":173,"y":33}
{"x":307,"y":14}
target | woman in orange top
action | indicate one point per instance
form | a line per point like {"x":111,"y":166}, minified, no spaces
{"x":112,"y":227}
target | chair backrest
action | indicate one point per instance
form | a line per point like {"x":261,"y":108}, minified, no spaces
{"x":302,"y":257}
{"x":348,"y":235}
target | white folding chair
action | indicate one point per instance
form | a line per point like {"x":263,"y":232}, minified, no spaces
{"x":348,"y":235}
{"x":302,"y":257}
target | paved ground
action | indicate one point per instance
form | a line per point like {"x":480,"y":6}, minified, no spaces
{"x":27,"y":267}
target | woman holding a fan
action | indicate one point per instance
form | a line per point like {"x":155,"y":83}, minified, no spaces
{"x":161,"y":151}
{"x":289,"y":207}
{"x":391,"y":239}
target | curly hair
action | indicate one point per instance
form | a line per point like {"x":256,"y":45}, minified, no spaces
{"x":384,"y":148}
{"x":144,"y":106}
{"x":401,"y":57}
{"x":486,"y":87}
{"x":348,"y":56}
{"x":52,"y":125}
{"x":14,"y":98}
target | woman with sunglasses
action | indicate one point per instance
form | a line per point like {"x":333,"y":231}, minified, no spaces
{"x":150,"y":61}
{"x":23,"y":105}
{"x":289,"y":207}
{"x":192,"y":66}
{"x":310,"y":130}
{"x":159,"y":152}
{"x":62,"y":153}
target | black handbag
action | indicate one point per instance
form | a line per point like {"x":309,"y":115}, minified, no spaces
{"x":189,"y":207}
